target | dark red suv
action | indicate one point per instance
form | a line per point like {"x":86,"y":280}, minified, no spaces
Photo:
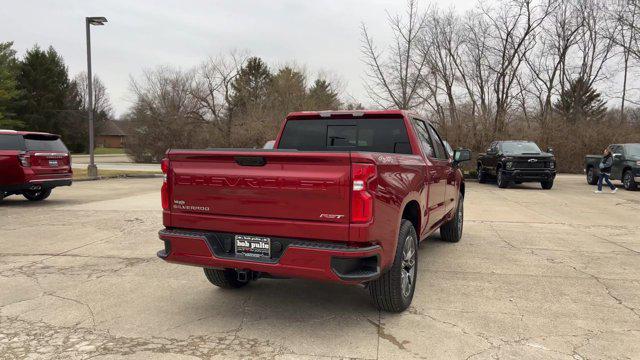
{"x":32,"y":163}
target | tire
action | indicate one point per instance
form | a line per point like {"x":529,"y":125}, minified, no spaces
{"x":501,"y":181}
{"x":547,"y":184}
{"x":518,"y":182}
{"x":393,"y":290}
{"x":36,"y":195}
{"x":628,"y":181}
{"x":451,"y":231}
{"x":226,"y":279}
{"x":482,"y":176}
{"x":592,"y":179}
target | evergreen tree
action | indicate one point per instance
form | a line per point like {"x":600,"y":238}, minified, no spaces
{"x":251,"y":86}
{"x":289,"y":90}
{"x":322,"y":96}
{"x":44,"y":82}
{"x":580,"y":102}
{"x":9,"y":93}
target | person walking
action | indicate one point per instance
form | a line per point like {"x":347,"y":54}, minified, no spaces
{"x":605,"y":171}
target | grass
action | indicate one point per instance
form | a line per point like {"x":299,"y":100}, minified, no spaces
{"x":81,"y":174}
{"x":107,"y":151}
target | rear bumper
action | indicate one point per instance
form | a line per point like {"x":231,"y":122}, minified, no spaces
{"x":316,"y":260}
{"x":37,"y":184}
{"x":529,"y":175}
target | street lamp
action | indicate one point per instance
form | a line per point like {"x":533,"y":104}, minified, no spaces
{"x":92,"y":169}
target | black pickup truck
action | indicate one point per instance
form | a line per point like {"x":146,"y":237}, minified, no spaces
{"x":517,"y":161}
{"x":626,"y":165}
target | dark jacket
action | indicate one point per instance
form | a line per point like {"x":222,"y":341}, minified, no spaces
{"x":606,"y":163}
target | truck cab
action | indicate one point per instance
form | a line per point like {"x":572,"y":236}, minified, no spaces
{"x":342,"y":196}
{"x":32,"y":164}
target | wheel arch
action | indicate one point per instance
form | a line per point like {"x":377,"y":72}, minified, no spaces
{"x":411,"y":212}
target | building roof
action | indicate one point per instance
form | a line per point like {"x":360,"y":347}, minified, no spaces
{"x":111,"y":128}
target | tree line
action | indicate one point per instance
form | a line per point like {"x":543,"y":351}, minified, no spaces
{"x":524,"y":69}
{"x":36,"y":93}
{"x":233,"y":100}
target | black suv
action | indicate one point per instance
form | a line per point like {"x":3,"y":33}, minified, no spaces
{"x":517,"y":161}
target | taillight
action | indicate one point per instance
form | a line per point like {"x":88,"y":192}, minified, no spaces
{"x":164,"y":165}
{"x":24,"y":160}
{"x":361,"y":199}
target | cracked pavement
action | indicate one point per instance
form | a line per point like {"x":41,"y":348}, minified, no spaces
{"x":537,"y":275}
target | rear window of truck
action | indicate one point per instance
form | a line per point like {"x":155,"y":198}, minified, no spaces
{"x":11,"y":142}
{"x":375,"y":135}
{"x":44,"y":143}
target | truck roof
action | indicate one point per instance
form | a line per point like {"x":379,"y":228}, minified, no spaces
{"x":340,"y":114}
{"x":14,"y":132}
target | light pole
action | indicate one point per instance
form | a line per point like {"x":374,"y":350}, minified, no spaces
{"x":92,"y":169}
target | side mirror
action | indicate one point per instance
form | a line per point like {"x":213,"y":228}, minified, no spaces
{"x":460,"y":155}
{"x":550,"y":150}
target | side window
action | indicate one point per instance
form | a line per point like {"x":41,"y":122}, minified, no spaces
{"x":11,"y":142}
{"x":494,"y":147}
{"x":423,"y":136}
{"x":438,"y":146}
{"x":616,"y":149}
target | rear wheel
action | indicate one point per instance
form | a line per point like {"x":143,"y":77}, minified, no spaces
{"x":451,"y":231}
{"x":482,"y":176}
{"x":36,"y":195}
{"x":547,"y":184}
{"x":592,"y":179}
{"x":628,"y":181}
{"x":502,"y":182}
{"x":394,"y":290}
{"x":226,"y":279}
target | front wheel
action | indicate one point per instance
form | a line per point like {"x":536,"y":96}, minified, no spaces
{"x":226,"y":279}
{"x":36,"y":195}
{"x":393,"y":291}
{"x":592,"y":179}
{"x":547,"y":184}
{"x":628,"y":181}
{"x":451,"y":231}
{"x":502,"y":182}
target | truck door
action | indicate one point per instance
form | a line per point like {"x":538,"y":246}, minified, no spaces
{"x":618,"y":156}
{"x":447,"y":174}
{"x":435,"y":178}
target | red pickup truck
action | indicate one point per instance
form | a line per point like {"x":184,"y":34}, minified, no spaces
{"x":342,"y":196}
{"x":32,"y":164}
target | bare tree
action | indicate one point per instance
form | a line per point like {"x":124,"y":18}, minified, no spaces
{"x":547,"y":61}
{"x":212,"y":92}
{"x":394,"y":80}
{"x":623,"y":32}
{"x":101,"y":102}
{"x":162,"y":116}
{"x":512,"y":27}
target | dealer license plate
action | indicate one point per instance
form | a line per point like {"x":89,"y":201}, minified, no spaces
{"x":253,"y":246}
{"x":53,"y":163}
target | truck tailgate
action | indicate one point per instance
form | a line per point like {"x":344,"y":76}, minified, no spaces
{"x":286,"y":185}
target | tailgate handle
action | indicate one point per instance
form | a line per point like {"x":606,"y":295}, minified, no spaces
{"x":251,"y":160}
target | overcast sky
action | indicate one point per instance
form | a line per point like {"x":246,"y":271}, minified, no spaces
{"x":323,"y":36}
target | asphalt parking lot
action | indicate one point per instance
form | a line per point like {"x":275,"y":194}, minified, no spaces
{"x":538,"y":275}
